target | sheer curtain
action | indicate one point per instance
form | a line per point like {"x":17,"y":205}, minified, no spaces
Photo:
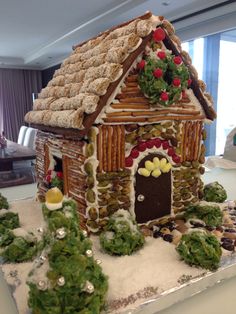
{"x":16,"y":88}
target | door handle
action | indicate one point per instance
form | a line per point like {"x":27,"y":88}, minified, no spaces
{"x":141,"y":198}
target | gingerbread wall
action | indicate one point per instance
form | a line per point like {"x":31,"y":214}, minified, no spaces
{"x":100,"y":173}
{"x":72,"y":157}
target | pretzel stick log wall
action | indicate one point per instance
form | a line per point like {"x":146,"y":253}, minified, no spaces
{"x":104,"y":147}
{"x":109,"y":149}
{"x":115,"y":148}
{"x":99,"y":148}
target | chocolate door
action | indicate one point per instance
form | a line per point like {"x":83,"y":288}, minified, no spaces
{"x":152,"y":195}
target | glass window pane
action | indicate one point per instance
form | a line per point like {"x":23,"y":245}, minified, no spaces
{"x":226,"y":104}
{"x":195,"y":48}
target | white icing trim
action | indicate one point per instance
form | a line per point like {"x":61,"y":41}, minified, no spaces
{"x":53,"y":206}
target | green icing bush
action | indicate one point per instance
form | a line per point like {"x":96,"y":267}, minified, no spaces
{"x":210,"y":214}
{"x":214,"y":192}
{"x":70,"y":258}
{"x":122,"y":235}
{"x":3,"y":202}
{"x":200,"y":249}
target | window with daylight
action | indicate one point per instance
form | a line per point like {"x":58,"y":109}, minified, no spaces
{"x":214,"y":58}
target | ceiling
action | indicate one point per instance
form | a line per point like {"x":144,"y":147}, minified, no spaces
{"x":39,"y":34}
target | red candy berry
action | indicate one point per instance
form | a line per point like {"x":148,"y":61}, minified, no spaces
{"x":142,"y":146}
{"x":59,"y":174}
{"x":171,"y":151}
{"x":161,"y":54}
{"x":158,"y":73}
{"x":48,"y":178}
{"x":159,"y":34}
{"x":164,"y":96}
{"x":165,"y":144}
{"x":157,"y":142}
{"x":176,"y":81}
{"x":176,"y":159}
{"x":49,"y":172}
{"x":129,"y":162}
{"x":177,"y":60}
{"x":189,"y":82}
{"x":134,"y":153}
{"x":150,"y":143}
{"x":141,"y":64}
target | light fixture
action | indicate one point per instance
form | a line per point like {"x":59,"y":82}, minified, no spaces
{"x":165,"y":3}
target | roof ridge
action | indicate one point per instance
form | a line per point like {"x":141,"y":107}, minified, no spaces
{"x":145,"y":16}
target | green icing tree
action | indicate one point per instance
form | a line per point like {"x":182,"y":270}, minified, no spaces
{"x":66,"y":279}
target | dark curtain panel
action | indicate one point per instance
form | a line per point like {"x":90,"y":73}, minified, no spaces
{"x":16,"y":89}
{"x":47,"y":74}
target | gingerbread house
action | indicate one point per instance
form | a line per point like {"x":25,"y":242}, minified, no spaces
{"x":122,"y":121}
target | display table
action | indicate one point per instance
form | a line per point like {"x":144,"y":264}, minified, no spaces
{"x":217,"y":299}
{"x":14,"y":152}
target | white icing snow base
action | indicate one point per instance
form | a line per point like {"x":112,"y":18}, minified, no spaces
{"x":149,"y":274}
{"x":144,"y":275}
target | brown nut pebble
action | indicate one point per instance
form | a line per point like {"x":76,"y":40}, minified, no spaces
{"x":93,"y":213}
{"x":202,"y":170}
{"x":131,"y":127}
{"x":102,"y":223}
{"x":165,"y":230}
{"x":176,"y":239}
{"x":89,"y":150}
{"x":146,"y":231}
{"x":103,"y":212}
{"x":229,"y":235}
{"x":217,"y":233}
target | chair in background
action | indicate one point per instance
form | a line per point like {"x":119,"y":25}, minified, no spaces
{"x":230,"y":146}
{"x":21,"y":135}
{"x":29,"y":139}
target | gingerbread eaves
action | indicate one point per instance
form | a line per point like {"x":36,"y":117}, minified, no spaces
{"x":87,"y":79}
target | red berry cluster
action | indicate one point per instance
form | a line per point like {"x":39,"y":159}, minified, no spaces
{"x":156,"y":142}
{"x":49,"y":176}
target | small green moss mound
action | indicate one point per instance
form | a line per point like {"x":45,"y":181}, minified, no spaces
{"x":210,"y":214}
{"x":200,"y":249}
{"x":9,"y":220}
{"x":3,"y":202}
{"x":20,"y":250}
{"x":122,"y":235}
{"x":214,"y":192}
{"x":6,"y":236}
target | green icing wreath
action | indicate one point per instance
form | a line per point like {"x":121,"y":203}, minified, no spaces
{"x":162,"y":77}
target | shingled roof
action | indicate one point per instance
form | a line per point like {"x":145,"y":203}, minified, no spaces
{"x":88,"y":78}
